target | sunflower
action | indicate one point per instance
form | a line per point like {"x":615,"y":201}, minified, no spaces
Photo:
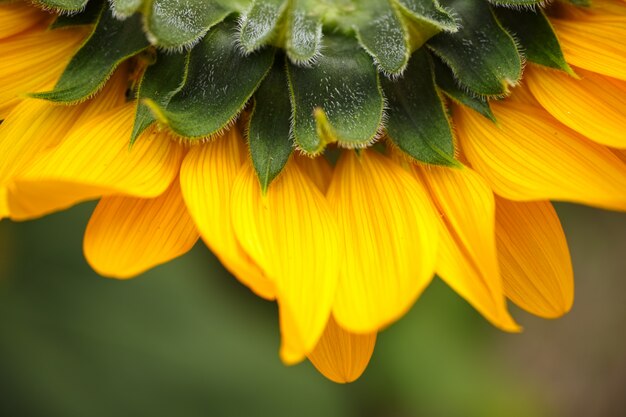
{"x":335,"y":156}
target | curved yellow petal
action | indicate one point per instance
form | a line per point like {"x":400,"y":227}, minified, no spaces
{"x":467,"y":253}
{"x":4,"y":203}
{"x":35,"y":126}
{"x":291,"y":233}
{"x":340,"y":355}
{"x":207,"y":177}
{"x":389,"y":236}
{"x":594,"y":44}
{"x":94,"y":160}
{"x":18,"y":17}
{"x":33,"y":61}
{"x":531,"y":156}
{"x":594,"y":106}
{"x":127,"y":236}
{"x":534,"y":258}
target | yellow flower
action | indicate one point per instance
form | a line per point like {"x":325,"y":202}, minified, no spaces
{"x":346,"y":248}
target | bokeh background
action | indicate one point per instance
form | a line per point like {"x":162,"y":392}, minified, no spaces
{"x":186,"y":339}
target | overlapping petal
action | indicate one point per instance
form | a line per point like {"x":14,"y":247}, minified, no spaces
{"x":389,"y":239}
{"x":17,"y":17}
{"x":534,"y":258}
{"x":467,"y":258}
{"x":95,"y":160}
{"x":207,"y":177}
{"x":127,"y":235}
{"x":291,"y":233}
{"x":594,"y":105}
{"x":531,"y":156}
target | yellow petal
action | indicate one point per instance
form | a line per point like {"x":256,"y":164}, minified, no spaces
{"x":17,"y":17}
{"x":291,"y":233}
{"x":318,"y":169}
{"x":531,"y":156}
{"x":35,"y":126}
{"x":594,"y":44}
{"x":594,"y":106}
{"x":127,"y":236}
{"x":389,"y":236}
{"x":467,"y":253}
{"x":4,"y":204}
{"x":534,"y":257}
{"x":33,"y":61}
{"x":342,"y":356}
{"x":207,"y":177}
{"x":95,"y":160}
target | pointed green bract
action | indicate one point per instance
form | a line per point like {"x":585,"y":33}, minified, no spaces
{"x":125,"y":8}
{"x":536,"y":36}
{"x":384,"y":37}
{"x":111,"y":42}
{"x":304,"y":35}
{"x":257,"y":26}
{"x":446,"y":82}
{"x":161,"y":81}
{"x":219,"y":83}
{"x":268,"y":132}
{"x":182,"y":23}
{"x":418,"y":123}
{"x":338,"y":100}
{"x":429,"y":11}
{"x":63,"y":5}
{"x":482,"y":55}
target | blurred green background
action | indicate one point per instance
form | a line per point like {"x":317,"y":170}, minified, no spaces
{"x":186,"y":339}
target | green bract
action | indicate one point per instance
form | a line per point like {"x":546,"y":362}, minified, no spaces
{"x":308,"y":73}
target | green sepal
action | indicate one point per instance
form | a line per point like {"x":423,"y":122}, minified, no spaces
{"x":482,"y":54}
{"x":111,"y":42}
{"x":258,"y":25}
{"x":125,"y":8}
{"x":385,"y":38}
{"x":70,"y":6}
{"x":160,"y":82}
{"x":88,"y":16}
{"x":429,"y":11}
{"x":304,"y":35}
{"x":220,"y":81}
{"x":182,"y":23}
{"x":269,"y":129}
{"x":417,"y":120}
{"x":536,"y":36}
{"x":447,"y":83}
{"x":338,"y":100}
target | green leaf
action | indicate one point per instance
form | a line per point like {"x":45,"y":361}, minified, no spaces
{"x":88,"y":16}
{"x":536,"y":36}
{"x":160,"y":83}
{"x":220,"y":82}
{"x":269,"y":129}
{"x":446,"y":82}
{"x":111,"y":42}
{"x":384,"y":37}
{"x":304,"y":35}
{"x":338,"y":100}
{"x":429,"y":11}
{"x":482,"y":55}
{"x":182,"y":23}
{"x":124,"y":8}
{"x":417,"y":122}
{"x":63,"y":5}
{"x":258,"y":25}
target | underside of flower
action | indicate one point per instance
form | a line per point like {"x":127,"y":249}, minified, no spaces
{"x":308,"y":73}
